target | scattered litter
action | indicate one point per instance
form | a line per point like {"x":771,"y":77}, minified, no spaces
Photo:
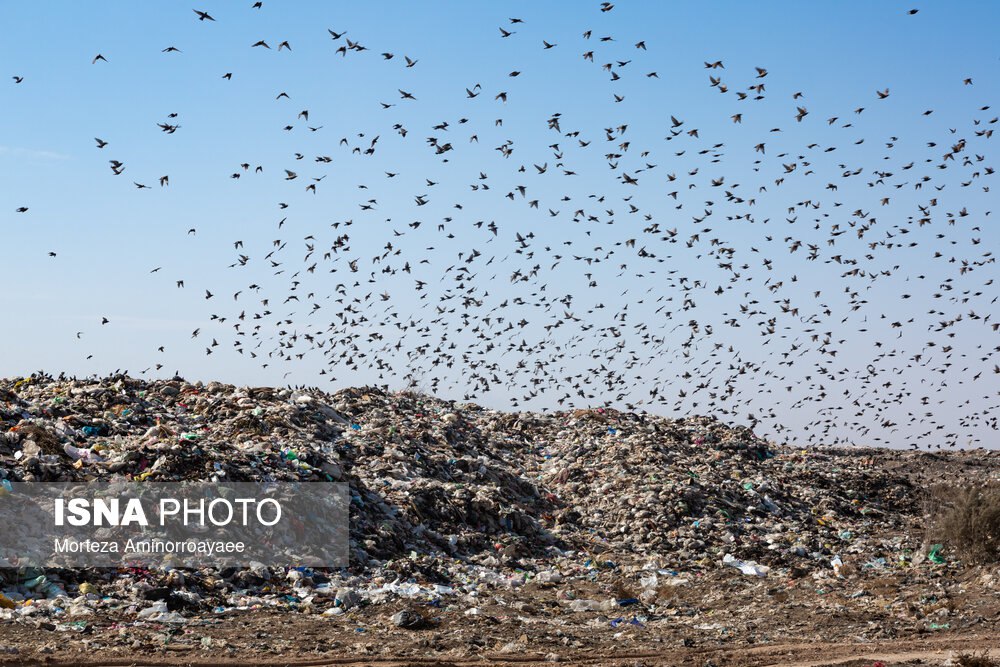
{"x":451,"y":503}
{"x":748,"y":568}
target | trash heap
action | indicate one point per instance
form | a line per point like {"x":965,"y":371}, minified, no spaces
{"x":450,"y":497}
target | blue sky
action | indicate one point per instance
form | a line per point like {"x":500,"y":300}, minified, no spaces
{"x":108,"y":235}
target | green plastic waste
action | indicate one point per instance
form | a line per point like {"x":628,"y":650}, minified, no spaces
{"x":934,"y":555}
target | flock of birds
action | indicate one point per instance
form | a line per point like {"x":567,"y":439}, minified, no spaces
{"x":802,"y":281}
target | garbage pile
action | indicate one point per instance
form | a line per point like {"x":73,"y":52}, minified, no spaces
{"x":447,"y":498}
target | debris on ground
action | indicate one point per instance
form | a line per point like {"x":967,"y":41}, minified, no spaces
{"x":464,"y":515}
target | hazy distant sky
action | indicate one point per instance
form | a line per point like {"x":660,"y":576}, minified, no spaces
{"x":108,"y":235}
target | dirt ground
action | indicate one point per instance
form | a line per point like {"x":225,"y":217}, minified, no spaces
{"x":256,"y":642}
{"x":903,"y":618}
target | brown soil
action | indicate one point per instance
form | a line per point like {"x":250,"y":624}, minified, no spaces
{"x":727,"y":619}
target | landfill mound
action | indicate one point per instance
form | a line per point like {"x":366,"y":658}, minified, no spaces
{"x":448,"y":495}
{"x":458,"y":480}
